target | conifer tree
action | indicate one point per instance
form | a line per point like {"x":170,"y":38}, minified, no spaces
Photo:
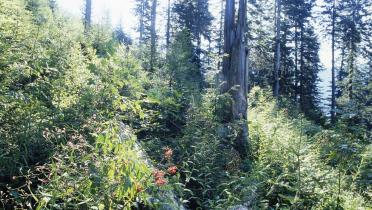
{"x":300,"y":73}
{"x":167,"y":35}
{"x":143,"y":12}
{"x":194,"y":16}
{"x":277,"y":46}
{"x":87,"y":15}
{"x":353,"y":25}
{"x":153,"y":34}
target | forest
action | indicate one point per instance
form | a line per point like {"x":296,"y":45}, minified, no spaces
{"x":220,"y":105}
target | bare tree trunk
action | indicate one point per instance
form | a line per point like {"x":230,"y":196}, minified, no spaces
{"x":198,"y":37}
{"x":296,"y":65}
{"x":333,"y":96}
{"x":199,"y":61}
{"x":351,"y":60}
{"x":153,"y":34}
{"x":234,"y":71}
{"x":141,"y":23}
{"x":220,"y":35}
{"x":302,"y":65}
{"x":341,"y":70}
{"x":350,"y":71}
{"x":167,"y":35}
{"x":87,"y":15}
{"x":277,"y":51}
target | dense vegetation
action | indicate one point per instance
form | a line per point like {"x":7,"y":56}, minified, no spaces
{"x":91,"y":119}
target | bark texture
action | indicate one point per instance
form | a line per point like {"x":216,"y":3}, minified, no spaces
{"x":141,"y":23}
{"x":333,"y":96}
{"x":220,"y":34}
{"x":153,"y":34}
{"x":277,"y":50}
{"x":167,"y":35}
{"x":87,"y":15}
{"x":302,"y":67}
{"x":235,"y":72}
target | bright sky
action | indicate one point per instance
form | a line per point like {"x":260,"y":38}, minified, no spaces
{"x":122,"y":10}
{"x":117,"y":10}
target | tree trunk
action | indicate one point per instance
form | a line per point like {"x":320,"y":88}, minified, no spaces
{"x":234,"y":71}
{"x":277,"y":51}
{"x":350,"y":71}
{"x":302,"y":65}
{"x":141,"y":23}
{"x":87,"y":15}
{"x":153,"y":34}
{"x":198,"y":37}
{"x":351,"y":59}
{"x":333,"y":97}
{"x":220,"y":35}
{"x":198,"y":49}
{"x":340,"y":71}
{"x":167,"y":35}
{"x":296,"y":66}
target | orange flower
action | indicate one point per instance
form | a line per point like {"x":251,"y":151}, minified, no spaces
{"x":172,"y":170}
{"x":158,"y":174}
{"x":159,"y":177}
{"x":168,"y":152}
{"x":160,"y":182}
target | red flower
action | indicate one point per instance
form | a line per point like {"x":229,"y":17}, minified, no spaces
{"x":172,"y":170}
{"x":158,"y":174}
{"x":168,"y":152}
{"x":160,"y":182}
{"x":159,"y":177}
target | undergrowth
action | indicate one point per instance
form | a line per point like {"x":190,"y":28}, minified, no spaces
{"x":107,"y":175}
{"x":64,"y":93}
{"x":289,"y":168}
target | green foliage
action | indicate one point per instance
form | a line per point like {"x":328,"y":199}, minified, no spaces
{"x":289,"y":171}
{"x":60,"y":88}
{"x":105,"y":176}
{"x":206,"y":159}
{"x":294,"y":164}
{"x":27,"y":75}
{"x":182,"y":69}
{"x":355,"y":112}
{"x":363,"y":173}
{"x":63,"y":94}
{"x":194,"y":16}
{"x":48,"y":80}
